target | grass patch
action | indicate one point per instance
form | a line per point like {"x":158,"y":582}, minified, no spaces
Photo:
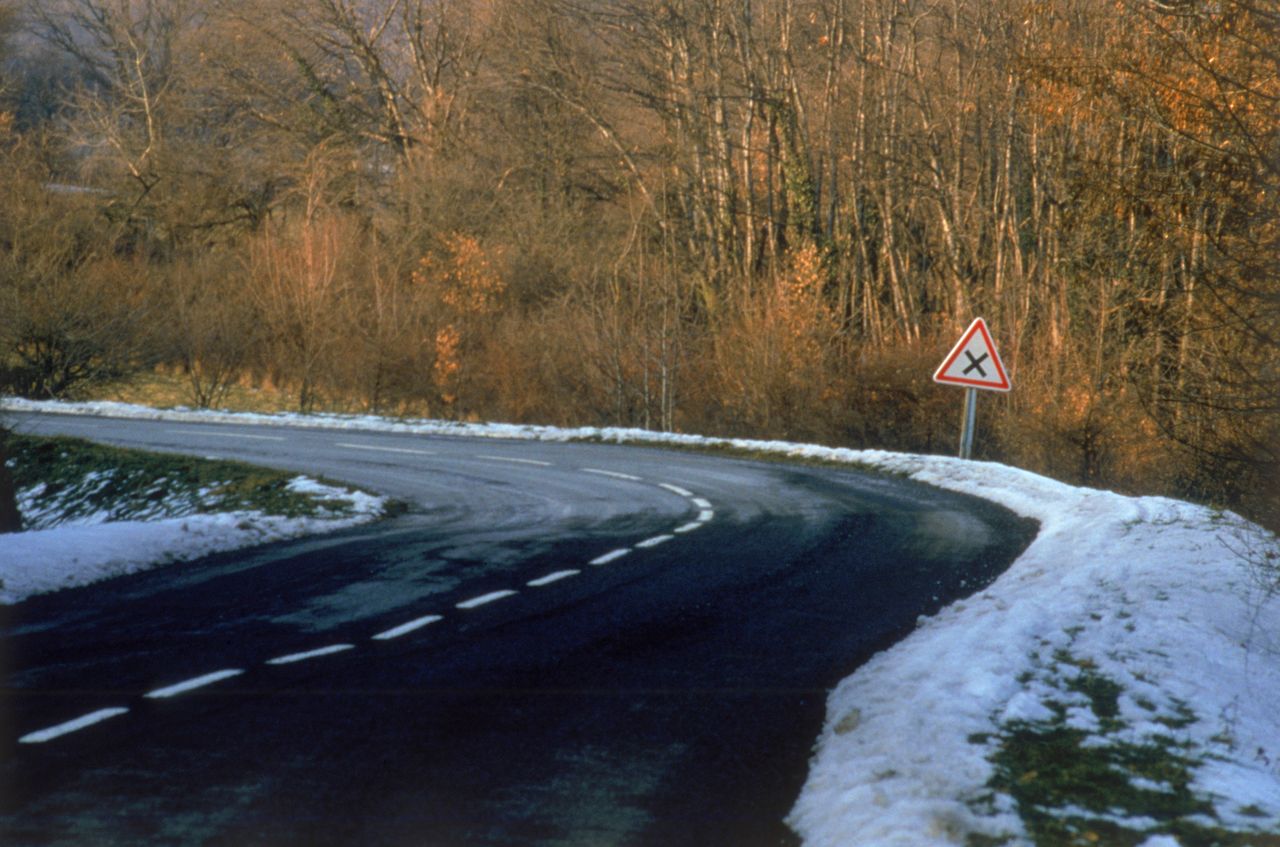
{"x":1076,"y":786}
{"x":1103,"y":694}
{"x":1048,"y":768}
{"x":68,"y":479}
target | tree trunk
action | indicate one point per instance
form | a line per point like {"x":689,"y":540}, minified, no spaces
{"x":10,"y":517}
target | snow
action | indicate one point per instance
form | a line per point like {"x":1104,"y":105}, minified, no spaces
{"x":1147,"y":592}
{"x":92,"y":547}
{"x":39,"y":561}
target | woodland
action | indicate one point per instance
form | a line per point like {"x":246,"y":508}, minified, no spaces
{"x":765,"y":218}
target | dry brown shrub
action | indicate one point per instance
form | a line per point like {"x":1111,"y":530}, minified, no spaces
{"x":301,"y":285}
{"x":65,"y":332}
{"x":893,"y":403}
{"x":772,"y":358}
{"x":464,"y":283}
{"x":1086,"y":435}
{"x":213,"y":331}
{"x":530,"y":371}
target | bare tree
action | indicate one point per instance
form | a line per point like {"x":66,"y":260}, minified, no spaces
{"x":386,"y":325}
{"x":130,"y":51}
{"x":298,"y":294}
{"x":213,"y":328}
{"x":396,"y":76}
{"x":10,"y":517}
{"x":73,"y":311}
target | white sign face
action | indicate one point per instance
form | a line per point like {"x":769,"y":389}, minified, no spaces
{"x":974,"y":362}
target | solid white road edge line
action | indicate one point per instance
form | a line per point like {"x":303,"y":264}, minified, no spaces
{"x":609,"y":557}
{"x":513,"y":460}
{"x":310,"y":654}
{"x":655,"y":541}
{"x":550,"y":578}
{"x":191,"y":684}
{"x":613,"y":474}
{"x":350,"y":446}
{"x":43,"y":735}
{"x":675,"y":489}
{"x":228,"y":434}
{"x":406,"y":628}
{"x":485,"y":598}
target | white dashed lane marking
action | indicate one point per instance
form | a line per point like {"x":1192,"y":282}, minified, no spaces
{"x":191,"y":684}
{"x":613,"y":474}
{"x":377,"y":449}
{"x":610,"y":557}
{"x":516,"y":461}
{"x":550,"y":578}
{"x":310,"y":654}
{"x":705,"y":514}
{"x":406,"y":628}
{"x":675,"y":489}
{"x":61,"y":729}
{"x":485,"y":599}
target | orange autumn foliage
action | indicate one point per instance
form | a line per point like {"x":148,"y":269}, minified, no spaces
{"x":469,"y":290}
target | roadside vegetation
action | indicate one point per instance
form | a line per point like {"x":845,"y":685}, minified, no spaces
{"x":765,"y":220}
{"x":1103,"y":765}
{"x":67,"y":481}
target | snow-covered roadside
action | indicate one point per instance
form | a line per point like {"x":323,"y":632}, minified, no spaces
{"x":43,"y":560}
{"x":87,"y":549}
{"x":1143,"y":593}
{"x":1130,"y":625}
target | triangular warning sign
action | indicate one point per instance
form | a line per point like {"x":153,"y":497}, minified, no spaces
{"x":974,"y":362}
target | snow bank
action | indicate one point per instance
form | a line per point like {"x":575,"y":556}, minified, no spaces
{"x":87,"y":549}
{"x":1146,"y":591}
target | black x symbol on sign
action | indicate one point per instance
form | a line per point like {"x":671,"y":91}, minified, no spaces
{"x":975,"y":364}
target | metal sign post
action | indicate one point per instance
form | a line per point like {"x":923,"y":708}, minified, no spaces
{"x":973,"y":363}
{"x":969,"y":422}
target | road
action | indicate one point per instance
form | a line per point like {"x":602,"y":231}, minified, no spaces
{"x":558,"y":644}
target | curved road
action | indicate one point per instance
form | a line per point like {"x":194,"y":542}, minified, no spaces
{"x":559,"y":644}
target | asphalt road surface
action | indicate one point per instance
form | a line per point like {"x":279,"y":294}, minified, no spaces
{"x":558,"y":644}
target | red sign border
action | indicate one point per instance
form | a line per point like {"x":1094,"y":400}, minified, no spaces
{"x":978,"y":325}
